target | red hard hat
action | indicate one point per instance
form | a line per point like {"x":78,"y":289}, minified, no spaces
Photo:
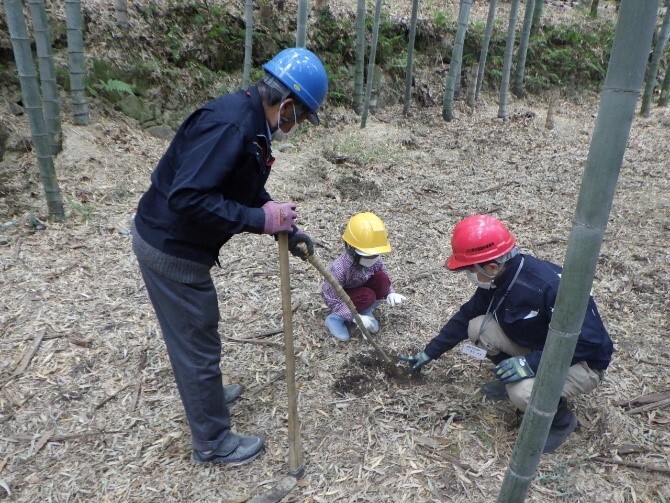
{"x":477,"y":239}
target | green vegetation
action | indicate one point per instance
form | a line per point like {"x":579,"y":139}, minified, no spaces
{"x":116,"y":86}
{"x":574,"y":55}
{"x":201,"y":46}
{"x":363,"y":154}
{"x":442,"y":20}
{"x":193,"y":31}
{"x":80,"y":210}
{"x":559,"y":55}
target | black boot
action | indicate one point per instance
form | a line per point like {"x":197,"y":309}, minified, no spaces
{"x":563,"y":424}
{"x":235,"y":450}
{"x":494,"y":390}
{"x":496,"y":359}
{"x":232,"y":392}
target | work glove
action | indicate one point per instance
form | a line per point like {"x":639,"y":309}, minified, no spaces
{"x":513,"y":369}
{"x":295,"y":240}
{"x":394,"y":299}
{"x":417,"y":361}
{"x":279,"y":217}
{"x":370,"y":323}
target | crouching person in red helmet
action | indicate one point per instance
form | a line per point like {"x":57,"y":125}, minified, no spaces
{"x":507,"y":320}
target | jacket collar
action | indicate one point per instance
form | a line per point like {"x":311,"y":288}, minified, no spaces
{"x":510,"y":270}
{"x":260,"y":124}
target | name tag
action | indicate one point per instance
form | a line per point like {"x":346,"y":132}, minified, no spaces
{"x":474,"y":351}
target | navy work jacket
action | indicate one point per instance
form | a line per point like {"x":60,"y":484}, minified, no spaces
{"x":209,"y":184}
{"x":525,"y":313}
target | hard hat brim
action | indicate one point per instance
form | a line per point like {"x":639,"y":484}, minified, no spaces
{"x":313,"y":118}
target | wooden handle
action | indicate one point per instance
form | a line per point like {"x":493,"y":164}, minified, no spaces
{"x":294,"y":448}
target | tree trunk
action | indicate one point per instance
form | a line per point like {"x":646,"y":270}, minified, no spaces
{"x":121,"y":12}
{"x":75,"y":51}
{"x":594,"y":9}
{"x":549,"y":122}
{"x":537,"y":16}
{"x":409,"y":72}
{"x":265,"y":15}
{"x":248,"y":41}
{"x":359,"y":70}
{"x":632,"y":42}
{"x":25,"y":67}
{"x":507,"y":60}
{"x":517,"y":83}
{"x":454,"y":77}
{"x":47,"y":70}
{"x":301,"y":33}
{"x":472,"y":83}
{"x":371,"y":62}
{"x":665,"y":90}
{"x":485,"y":47}
{"x":652,"y":71}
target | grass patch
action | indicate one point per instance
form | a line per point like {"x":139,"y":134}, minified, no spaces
{"x":79,"y":210}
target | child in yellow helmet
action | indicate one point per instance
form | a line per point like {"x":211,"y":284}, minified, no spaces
{"x":361,"y":272}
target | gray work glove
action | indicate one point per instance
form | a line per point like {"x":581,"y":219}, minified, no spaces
{"x":513,"y":369}
{"x":417,"y":361}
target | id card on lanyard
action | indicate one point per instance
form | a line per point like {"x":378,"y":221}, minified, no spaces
{"x":473,"y":349}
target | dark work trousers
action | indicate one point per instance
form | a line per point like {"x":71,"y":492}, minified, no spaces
{"x":374,"y":289}
{"x":188,"y":314}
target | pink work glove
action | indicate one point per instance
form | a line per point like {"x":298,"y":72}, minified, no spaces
{"x":279,"y":217}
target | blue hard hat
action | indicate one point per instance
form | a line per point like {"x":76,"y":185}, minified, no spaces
{"x":301,"y":71}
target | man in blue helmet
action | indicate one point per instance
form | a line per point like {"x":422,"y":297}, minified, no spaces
{"x":207,"y":187}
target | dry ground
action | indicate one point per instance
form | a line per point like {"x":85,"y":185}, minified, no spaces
{"x":94,"y":414}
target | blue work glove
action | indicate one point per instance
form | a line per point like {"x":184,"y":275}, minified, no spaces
{"x":297,"y":238}
{"x":416,"y":361}
{"x":513,"y":369}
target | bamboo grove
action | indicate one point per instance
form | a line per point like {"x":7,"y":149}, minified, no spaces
{"x":640,"y":31}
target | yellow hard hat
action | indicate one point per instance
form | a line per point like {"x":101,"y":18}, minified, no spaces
{"x":367,"y":233}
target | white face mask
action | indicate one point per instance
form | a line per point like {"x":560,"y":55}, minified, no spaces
{"x":472,"y":277}
{"x":280,"y":135}
{"x":367,"y":261}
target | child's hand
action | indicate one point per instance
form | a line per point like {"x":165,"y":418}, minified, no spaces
{"x":370,"y":323}
{"x":395,"y":299}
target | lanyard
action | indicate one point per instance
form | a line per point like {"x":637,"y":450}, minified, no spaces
{"x":490,"y":314}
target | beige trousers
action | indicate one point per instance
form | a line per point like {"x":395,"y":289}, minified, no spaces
{"x":485,"y":332}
